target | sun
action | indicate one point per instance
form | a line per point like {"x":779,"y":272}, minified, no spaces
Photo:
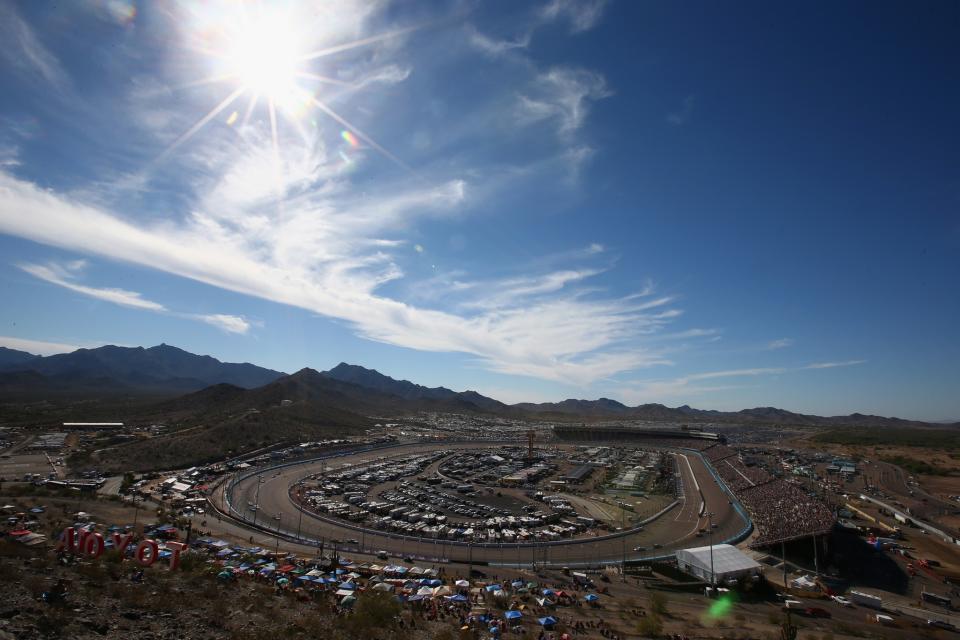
{"x":268,"y":55}
{"x":263,"y":54}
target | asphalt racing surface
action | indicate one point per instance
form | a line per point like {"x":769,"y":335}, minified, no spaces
{"x":675,"y":529}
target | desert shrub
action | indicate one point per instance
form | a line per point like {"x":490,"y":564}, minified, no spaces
{"x":500,"y":602}
{"x":374,"y":612}
{"x":650,"y":626}
{"x":658,"y":603}
{"x":192,"y":562}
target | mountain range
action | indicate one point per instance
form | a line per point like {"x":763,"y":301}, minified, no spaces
{"x":342,"y":394}
{"x":161,"y":369}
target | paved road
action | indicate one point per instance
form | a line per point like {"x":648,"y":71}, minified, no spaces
{"x":675,"y":529}
{"x":112,"y":486}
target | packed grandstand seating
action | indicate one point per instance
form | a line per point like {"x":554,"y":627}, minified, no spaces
{"x":685,"y":443}
{"x":783,"y":511}
{"x":779,"y":510}
{"x":718,"y":452}
{"x":738,"y":476}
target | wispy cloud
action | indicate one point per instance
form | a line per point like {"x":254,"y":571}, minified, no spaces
{"x":563,"y":95}
{"x":24,"y":52}
{"x":736,"y":373}
{"x":509,"y":291}
{"x":36,"y":347}
{"x":9,"y":156}
{"x":315,"y":254}
{"x":687,"y":387}
{"x":494,"y":47}
{"x":781,"y":343}
{"x":59,"y":276}
{"x":63,"y":275}
{"x":831,"y":365}
{"x":582,"y":15}
{"x":225,"y":322}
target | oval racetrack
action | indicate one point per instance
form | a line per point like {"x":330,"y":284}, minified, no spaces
{"x":674,"y":529}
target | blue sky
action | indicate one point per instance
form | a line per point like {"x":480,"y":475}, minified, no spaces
{"x":723,"y":205}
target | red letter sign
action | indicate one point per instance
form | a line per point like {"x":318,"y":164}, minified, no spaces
{"x":141,"y":556}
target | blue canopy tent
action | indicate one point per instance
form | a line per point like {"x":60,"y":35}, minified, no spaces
{"x":513,"y":615}
{"x":547,"y":621}
{"x":591,"y":597}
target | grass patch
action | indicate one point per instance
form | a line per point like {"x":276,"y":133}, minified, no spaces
{"x":916,"y":467}
{"x":944,"y":439}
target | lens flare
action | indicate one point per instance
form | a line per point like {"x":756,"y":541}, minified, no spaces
{"x":123,"y":11}
{"x":350,"y":139}
{"x":721,"y":607}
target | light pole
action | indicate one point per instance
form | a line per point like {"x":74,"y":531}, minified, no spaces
{"x":256,"y":500}
{"x":300,"y":509}
{"x":136,"y":509}
{"x":623,"y":544}
{"x":713,"y":577}
{"x":276,"y":551}
{"x":816,"y":557}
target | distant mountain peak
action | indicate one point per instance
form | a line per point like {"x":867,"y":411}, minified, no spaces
{"x":159,"y":369}
{"x":373,"y":379}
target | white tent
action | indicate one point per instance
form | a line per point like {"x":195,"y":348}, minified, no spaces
{"x":728,"y":562}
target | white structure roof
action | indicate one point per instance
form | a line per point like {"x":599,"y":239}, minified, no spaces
{"x":727,"y":560}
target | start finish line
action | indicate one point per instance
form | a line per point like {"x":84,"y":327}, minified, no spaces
{"x":93,"y":545}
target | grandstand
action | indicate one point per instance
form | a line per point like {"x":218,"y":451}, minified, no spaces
{"x":619,"y":433}
{"x":783,"y":512}
{"x":780,"y":510}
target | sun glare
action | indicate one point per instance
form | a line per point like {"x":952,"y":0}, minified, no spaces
{"x":269,"y":54}
{"x":263,"y":56}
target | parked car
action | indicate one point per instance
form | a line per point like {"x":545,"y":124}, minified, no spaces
{"x":940,"y":624}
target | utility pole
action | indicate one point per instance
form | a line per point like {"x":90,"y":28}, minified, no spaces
{"x":783,"y":552}
{"x":816,"y":557}
{"x":713,"y":576}
{"x":623,"y":544}
{"x":300,"y":517}
{"x":277,"y":550}
{"x":256,"y":501}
